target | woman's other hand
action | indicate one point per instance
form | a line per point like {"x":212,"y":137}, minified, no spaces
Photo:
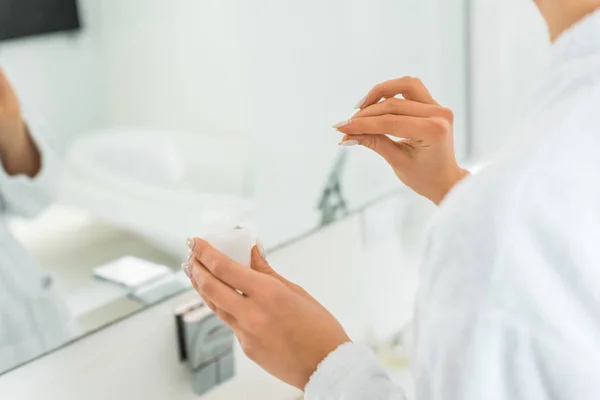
{"x":279,"y":325}
{"x":423,"y":153}
{"x":18,"y":153}
{"x":11,"y":119}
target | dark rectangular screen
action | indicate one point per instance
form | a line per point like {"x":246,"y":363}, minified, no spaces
{"x":20,"y":18}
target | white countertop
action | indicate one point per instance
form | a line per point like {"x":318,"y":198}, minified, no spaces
{"x":69,"y":244}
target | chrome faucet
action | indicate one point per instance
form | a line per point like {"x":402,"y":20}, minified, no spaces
{"x":206,"y":344}
{"x":333,"y":204}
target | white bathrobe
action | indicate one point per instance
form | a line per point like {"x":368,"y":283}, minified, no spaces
{"x":32,"y":317}
{"x":509,"y":304}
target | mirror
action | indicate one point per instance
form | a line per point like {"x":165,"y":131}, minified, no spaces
{"x":152,"y":120}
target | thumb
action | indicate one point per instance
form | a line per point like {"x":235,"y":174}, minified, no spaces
{"x":395,"y":153}
{"x":258,"y":261}
{"x":260,"y":264}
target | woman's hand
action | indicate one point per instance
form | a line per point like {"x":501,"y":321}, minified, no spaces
{"x":11,"y":119}
{"x":279,"y":325}
{"x":423,"y":157}
{"x":18,"y":152}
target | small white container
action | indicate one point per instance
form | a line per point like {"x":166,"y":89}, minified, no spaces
{"x":235,"y":242}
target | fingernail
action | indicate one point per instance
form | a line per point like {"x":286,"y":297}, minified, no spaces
{"x":340,"y":124}
{"x":361,"y":102}
{"x":348,"y":143}
{"x":190,"y":243}
{"x":260,"y":248}
{"x":186,"y":269}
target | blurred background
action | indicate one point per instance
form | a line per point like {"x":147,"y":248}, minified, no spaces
{"x":169,"y":117}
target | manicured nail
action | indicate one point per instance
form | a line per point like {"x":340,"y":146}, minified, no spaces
{"x":190,"y":243}
{"x":348,"y":143}
{"x":340,"y":124}
{"x":260,"y":248}
{"x":361,"y":102}
{"x":186,"y":269}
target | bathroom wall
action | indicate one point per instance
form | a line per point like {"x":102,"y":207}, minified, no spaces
{"x":175,"y":65}
{"x":58,"y":76}
{"x":191,"y":54}
{"x":510,"y":51}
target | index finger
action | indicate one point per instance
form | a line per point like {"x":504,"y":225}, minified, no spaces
{"x":228,"y":271}
{"x":410,"y":88}
{"x":401,"y":126}
{"x":400,"y":107}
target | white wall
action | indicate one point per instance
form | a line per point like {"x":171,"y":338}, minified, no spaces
{"x":172,"y":66}
{"x":175,"y":65}
{"x":58,"y":78}
{"x":510,"y":52}
{"x":182,"y":65}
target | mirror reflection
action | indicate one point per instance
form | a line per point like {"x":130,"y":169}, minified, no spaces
{"x":127,"y":127}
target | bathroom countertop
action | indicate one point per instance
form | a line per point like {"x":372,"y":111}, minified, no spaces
{"x":69,"y":244}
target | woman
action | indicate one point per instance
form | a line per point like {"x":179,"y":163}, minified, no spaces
{"x":32,"y":319}
{"x":509,"y":304}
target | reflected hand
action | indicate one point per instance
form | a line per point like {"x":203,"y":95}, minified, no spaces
{"x":279,"y":325}
{"x":18,"y":152}
{"x":424,"y":157}
{"x":11,"y":119}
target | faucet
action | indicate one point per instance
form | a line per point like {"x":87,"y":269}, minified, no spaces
{"x":333,"y":204}
{"x":206,"y":344}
